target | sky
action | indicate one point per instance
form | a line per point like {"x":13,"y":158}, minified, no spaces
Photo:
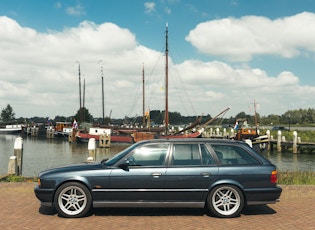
{"x":222,"y":53}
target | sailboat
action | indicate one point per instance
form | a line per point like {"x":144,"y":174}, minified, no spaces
{"x":250,"y":134}
{"x":138,"y":136}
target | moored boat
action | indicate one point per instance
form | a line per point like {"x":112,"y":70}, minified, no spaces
{"x":11,"y":129}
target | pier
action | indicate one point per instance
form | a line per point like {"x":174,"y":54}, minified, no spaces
{"x":280,"y":144}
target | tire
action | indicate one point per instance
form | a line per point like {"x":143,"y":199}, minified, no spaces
{"x":225,"y":201}
{"x":72,"y":199}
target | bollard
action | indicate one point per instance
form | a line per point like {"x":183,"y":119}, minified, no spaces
{"x":34,"y":131}
{"x":279,"y":141}
{"x":91,"y":148}
{"x":232,"y":132}
{"x":104,"y":140}
{"x":50,"y":133}
{"x":18,"y":152}
{"x":295,"y":149}
{"x":269,"y":138}
{"x":224,"y":133}
{"x":217,"y":132}
{"x":12,"y":167}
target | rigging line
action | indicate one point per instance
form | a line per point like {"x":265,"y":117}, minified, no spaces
{"x":186,"y":92}
{"x":154,"y":85}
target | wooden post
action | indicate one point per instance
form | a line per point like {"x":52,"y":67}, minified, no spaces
{"x":217,"y":132}
{"x":92,"y":149}
{"x":269,"y":139}
{"x":224,"y":133}
{"x":232,"y":132}
{"x":12,"y":166}
{"x":279,"y":141}
{"x":104,"y":140}
{"x":18,"y":152}
{"x":295,"y":149}
{"x":50,"y":133}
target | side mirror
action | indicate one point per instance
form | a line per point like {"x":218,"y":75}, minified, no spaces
{"x":124,"y":166}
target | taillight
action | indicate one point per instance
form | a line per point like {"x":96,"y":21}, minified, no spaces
{"x":274,"y":177}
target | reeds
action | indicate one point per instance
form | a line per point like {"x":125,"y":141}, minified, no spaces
{"x":296,"y":178}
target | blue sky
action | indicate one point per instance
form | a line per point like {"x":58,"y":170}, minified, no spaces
{"x":222,"y":53}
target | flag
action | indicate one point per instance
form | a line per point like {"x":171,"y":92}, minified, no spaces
{"x":75,"y":124}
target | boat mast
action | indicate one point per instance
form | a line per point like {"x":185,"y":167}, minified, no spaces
{"x":255,"y":114}
{"x":166,"y":79}
{"x":103,"y":101}
{"x":143,"y":97}
{"x":80,"y":109}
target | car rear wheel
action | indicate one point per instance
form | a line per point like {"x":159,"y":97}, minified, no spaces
{"x":226,"y":201}
{"x":72,"y":200}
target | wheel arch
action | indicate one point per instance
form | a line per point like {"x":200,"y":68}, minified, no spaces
{"x":227,"y":182}
{"x":80,"y":180}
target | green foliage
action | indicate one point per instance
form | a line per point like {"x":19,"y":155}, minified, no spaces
{"x":7,"y":114}
{"x":15,"y":178}
{"x":296,"y":178}
{"x":83,"y":115}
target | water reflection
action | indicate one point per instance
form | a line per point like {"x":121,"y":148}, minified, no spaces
{"x":40,"y":154}
{"x":287,"y":161}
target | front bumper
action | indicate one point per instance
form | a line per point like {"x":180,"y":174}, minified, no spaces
{"x":45,"y":195}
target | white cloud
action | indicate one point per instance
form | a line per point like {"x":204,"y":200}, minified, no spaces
{"x":39,"y":76}
{"x":75,"y":10}
{"x":241,"y":39}
{"x":149,"y":7}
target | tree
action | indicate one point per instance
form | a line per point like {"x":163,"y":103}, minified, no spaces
{"x":7,"y":114}
{"x":83,"y":115}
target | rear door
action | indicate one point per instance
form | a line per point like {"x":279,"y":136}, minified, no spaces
{"x":192,"y":169}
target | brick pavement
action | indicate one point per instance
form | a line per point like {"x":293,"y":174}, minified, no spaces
{"x":19,"y":209}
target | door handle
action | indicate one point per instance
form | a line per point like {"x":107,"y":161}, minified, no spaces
{"x":156,"y":175}
{"x":205,"y":174}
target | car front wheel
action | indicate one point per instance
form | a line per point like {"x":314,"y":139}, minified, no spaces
{"x":226,"y":201}
{"x":72,"y":200}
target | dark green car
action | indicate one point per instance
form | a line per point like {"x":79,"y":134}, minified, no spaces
{"x":221,"y":175}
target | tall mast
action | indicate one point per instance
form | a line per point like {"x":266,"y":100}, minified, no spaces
{"x":80,"y":87}
{"x":143,"y":98}
{"x":83,"y":114}
{"x":166,"y":79}
{"x":80,"y":109}
{"x":103,"y":100}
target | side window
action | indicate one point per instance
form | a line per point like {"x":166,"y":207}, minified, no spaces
{"x":149,"y":155}
{"x":234,"y":155}
{"x":206,"y":156}
{"x":186,"y":154}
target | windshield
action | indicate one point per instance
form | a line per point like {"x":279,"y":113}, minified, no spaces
{"x":120,"y":155}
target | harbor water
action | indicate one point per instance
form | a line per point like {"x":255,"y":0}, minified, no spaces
{"x":41,"y":153}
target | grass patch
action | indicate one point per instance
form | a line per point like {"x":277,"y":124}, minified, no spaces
{"x":296,"y":178}
{"x":15,"y":178}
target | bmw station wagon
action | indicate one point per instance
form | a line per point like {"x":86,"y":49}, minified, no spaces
{"x":222,"y":176}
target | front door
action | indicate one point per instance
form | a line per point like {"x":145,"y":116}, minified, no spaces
{"x":143,"y":180}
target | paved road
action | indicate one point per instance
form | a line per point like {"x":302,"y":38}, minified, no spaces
{"x":19,"y":209}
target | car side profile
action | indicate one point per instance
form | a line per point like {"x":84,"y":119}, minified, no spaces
{"x":220,"y":175}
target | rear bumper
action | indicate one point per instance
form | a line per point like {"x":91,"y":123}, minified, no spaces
{"x":44,"y":195}
{"x":263,"y":196}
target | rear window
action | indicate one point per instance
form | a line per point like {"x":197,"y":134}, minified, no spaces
{"x":234,"y":155}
